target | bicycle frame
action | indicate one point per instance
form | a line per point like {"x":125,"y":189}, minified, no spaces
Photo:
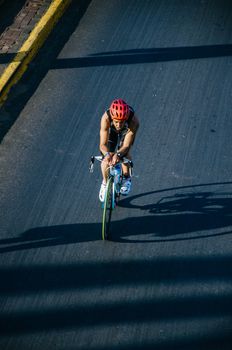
{"x":113,"y":186}
{"x":117,"y":178}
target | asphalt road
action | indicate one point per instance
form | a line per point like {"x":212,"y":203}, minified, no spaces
{"x":164,"y":280}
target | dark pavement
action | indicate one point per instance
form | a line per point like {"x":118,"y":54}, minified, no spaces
{"x":164,"y":280}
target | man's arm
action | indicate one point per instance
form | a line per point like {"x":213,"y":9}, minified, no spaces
{"x":130,"y":136}
{"x":104,"y":134}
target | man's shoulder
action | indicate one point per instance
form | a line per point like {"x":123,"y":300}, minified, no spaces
{"x":134,"y":123}
{"x":133,"y":116}
{"x":105,"y":121}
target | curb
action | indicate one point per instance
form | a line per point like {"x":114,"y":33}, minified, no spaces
{"x":15,"y":70}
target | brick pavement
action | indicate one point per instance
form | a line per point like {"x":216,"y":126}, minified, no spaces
{"x":14,"y":35}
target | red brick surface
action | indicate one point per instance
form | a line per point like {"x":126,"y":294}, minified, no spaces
{"x":14,"y":35}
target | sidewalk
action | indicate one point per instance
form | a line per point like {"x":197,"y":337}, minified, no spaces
{"x":25,"y":27}
{"x":17,"y":19}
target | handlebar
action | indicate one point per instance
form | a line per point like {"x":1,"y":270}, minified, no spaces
{"x":100,"y":159}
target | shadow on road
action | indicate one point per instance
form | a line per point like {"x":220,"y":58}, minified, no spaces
{"x":184,"y":305}
{"x":195,"y":290}
{"x":47,"y":60}
{"x":144,"y":56}
{"x":183,"y":213}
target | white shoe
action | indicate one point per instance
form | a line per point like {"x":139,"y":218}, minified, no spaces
{"x":126,"y":186}
{"x":102,"y":192}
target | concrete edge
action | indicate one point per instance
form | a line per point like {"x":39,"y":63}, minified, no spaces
{"x":15,"y":70}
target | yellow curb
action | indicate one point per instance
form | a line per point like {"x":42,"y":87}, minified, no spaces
{"x":27,"y":52}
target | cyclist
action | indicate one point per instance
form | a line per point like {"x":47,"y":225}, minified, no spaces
{"x":119,"y":125}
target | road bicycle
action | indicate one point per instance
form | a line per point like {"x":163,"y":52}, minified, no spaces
{"x":112,"y":195}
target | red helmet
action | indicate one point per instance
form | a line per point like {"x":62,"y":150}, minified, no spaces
{"x":119,"y":110}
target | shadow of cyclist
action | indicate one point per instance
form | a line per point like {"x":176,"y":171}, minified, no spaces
{"x":179,"y":216}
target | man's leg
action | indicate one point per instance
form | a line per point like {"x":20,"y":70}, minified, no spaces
{"x":104,"y":179}
{"x":105,"y":170}
{"x":126,"y":168}
{"x":126,"y":183}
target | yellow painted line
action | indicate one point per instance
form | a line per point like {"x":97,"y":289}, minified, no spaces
{"x":27,"y":52}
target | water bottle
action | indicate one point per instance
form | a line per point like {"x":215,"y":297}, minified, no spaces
{"x":117,"y":172}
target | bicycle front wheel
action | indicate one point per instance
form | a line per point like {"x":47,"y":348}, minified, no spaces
{"x":107,"y":209}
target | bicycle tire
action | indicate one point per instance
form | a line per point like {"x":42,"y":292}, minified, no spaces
{"x":107,"y":210}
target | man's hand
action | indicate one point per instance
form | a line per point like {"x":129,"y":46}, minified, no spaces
{"x":115,"y":159}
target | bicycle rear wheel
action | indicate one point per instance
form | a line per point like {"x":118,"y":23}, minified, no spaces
{"x":107,"y":209}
